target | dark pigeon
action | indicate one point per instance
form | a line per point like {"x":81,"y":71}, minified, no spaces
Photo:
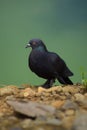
{"x":47,"y":65}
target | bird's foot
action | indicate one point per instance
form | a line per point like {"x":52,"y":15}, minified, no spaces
{"x":46,"y":86}
{"x":48,"y":83}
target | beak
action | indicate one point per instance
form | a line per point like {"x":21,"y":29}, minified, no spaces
{"x":28,"y":45}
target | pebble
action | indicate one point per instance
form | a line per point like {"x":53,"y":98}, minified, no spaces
{"x":79,"y":97}
{"x":70,"y":89}
{"x":58,"y":104}
{"x":16,"y":128}
{"x":25,"y":123}
{"x":27,"y":92}
{"x":70,"y":112}
{"x":70,"y":105}
{"x":85,"y":95}
{"x":8,"y":90}
{"x":80,"y":122}
{"x":1,"y":114}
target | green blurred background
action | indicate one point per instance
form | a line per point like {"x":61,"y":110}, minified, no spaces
{"x":61,"y":24}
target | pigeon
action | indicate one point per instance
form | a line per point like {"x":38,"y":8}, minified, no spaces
{"x":47,"y":65}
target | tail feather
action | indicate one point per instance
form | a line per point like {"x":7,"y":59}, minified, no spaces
{"x":67,"y":80}
{"x":67,"y":72}
{"x":64,"y":80}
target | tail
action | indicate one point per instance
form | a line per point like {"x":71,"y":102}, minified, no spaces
{"x":67,"y":80}
{"x":64,"y":80}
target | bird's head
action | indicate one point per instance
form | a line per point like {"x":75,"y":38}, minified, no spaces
{"x":36,"y":43}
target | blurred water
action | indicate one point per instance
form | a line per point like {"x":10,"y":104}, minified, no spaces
{"x":61,"y":24}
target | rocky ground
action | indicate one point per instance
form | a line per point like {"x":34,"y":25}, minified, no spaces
{"x":36,"y":108}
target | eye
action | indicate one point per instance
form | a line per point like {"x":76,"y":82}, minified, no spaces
{"x":34,"y":43}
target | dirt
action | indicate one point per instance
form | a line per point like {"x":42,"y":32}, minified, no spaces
{"x":35,"y":108}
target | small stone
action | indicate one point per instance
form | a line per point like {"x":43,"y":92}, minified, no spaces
{"x":69,"y":105}
{"x":67,"y":122}
{"x":80,"y":123}
{"x":25,"y":123}
{"x":12,"y":118}
{"x":58,"y":104}
{"x":70,"y":112}
{"x":8,"y":90}
{"x":50,"y":90}
{"x":47,"y":94}
{"x":85,"y":95}
{"x":83,"y":104}
{"x":79,"y":97}
{"x":54,"y":121}
{"x":11,"y":97}
{"x":68,"y":95}
{"x":27,"y":92}
{"x":56,"y":89}
{"x":59,"y":114}
{"x":1,"y":114}
{"x":40,"y":90}
{"x":70,"y":89}
{"x":16,"y":128}
{"x":62,"y":97}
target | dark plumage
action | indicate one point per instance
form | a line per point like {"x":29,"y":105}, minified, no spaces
{"x":47,"y":65}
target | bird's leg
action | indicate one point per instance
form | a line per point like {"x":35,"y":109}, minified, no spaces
{"x":52,"y":81}
{"x":48,"y":83}
{"x":60,"y":79}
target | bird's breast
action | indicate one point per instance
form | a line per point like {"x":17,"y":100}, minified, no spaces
{"x":36,"y":60}
{"x":39,"y":63}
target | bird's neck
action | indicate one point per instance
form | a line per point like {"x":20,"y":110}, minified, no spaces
{"x":41,"y":48}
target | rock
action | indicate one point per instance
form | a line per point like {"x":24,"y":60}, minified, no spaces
{"x":81,"y":100}
{"x":46,"y":127}
{"x":79,"y":97}
{"x":70,"y":112}
{"x":27,"y":92}
{"x":69,"y":105}
{"x":66,"y":106}
{"x":16,"y":128}
{"x":83,"y":104}
{"x":67,"y":94}
{"x":80,"y":122}
{"x":53,"y":121}
{"x":62,"y":97}
{"x":8,"y":90}
{"x":70,"y":89}
{"x":50,"y":90}
{"x":59,"y":114}
{"x":25,"y":86}
{"x":58,"y":104}
{"x":40,"y":90}
{"x":48,"y":121}
{"x":32,"y":109}
{"x":85,"y":95}
{"x":1,"y":114}
{"x":11,"y":97}
{"x":67,"y":122}
{"x":26,"y":123}
{"x":57,"y":89}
